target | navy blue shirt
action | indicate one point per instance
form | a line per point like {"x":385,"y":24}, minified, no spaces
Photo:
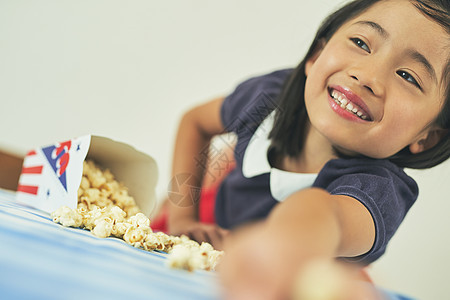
{"x":381,"y":186}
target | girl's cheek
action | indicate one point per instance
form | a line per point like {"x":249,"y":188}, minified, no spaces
{"x":328,"y":63}
{"x":335,"y":59}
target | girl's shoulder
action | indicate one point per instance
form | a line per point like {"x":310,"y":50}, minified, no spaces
{"x":382,"y":168}
{"x":268,"y":80}
{"x":368,"y":174}
{"x":251,"y":94}
{"x":381,"y":186}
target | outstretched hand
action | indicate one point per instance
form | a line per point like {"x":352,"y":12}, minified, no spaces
{"x":259,"y":264}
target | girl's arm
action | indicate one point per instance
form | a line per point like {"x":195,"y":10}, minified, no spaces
{"x":335,"y":225}
{"x":195,"y":131}
{"x":310,"y":224}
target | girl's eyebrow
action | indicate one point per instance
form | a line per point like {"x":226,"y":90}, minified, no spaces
{"x":412,"y":53}
{"x":375,"y":26}
{"x":417,"y":56}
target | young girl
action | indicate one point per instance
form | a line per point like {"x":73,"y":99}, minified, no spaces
{"x":321,"y":148}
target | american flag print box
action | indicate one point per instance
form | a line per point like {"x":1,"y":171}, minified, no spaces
{"x":51,"y":175}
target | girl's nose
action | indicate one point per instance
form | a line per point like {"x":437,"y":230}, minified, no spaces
{"x":366,"y":86}
{"x":370,"y":77}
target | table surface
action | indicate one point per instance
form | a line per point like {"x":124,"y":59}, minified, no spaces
{"x":43,"y":260}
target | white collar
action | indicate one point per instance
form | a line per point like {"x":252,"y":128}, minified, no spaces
{"x":255,"y":162}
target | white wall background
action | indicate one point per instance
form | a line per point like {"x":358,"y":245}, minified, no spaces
{"x":129,"y":69}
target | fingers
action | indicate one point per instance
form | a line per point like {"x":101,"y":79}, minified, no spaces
{"x":207,"y":233}
{"x":327,"y":279}
{"x":198,"y":234}
{"x":216,"y":237}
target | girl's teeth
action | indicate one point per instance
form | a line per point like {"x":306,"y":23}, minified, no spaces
{"x":344,"y":103}
{"x":349,"y":106}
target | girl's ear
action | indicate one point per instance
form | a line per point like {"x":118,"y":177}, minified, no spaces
{"x":310,"y":62}
{"x":428,"y":140}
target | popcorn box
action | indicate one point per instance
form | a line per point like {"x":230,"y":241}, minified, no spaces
{"x":51,"y":175}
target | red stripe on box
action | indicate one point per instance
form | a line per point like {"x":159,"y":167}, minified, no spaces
{"x":29,"y":189}
{"x":32,"y":152}
{"x":32,"y":170}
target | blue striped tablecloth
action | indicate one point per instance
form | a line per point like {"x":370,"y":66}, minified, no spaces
{"x":43,"y":260}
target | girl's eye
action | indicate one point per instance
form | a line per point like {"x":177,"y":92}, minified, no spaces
{"x":360,"y":43}
{"x":405,"y":75}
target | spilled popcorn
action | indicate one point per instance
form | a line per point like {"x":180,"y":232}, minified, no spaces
{"x":105,"y":208}
{"x":189,"y":255}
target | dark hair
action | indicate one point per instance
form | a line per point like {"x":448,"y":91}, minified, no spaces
{"x":291,"y":117}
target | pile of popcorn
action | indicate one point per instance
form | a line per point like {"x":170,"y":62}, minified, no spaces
{"x":99,"y":189}
{"x":106,"y":209}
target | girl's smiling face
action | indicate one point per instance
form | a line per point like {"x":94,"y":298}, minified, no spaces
{"x":376,"y":86}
